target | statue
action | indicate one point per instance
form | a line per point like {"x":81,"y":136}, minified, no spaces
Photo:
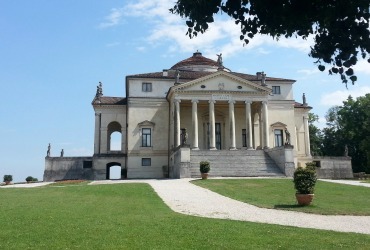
{"x":219,"y":59}
{"x":48,"y":152}
{"x":263,"y":79}
{"x":304,"y":100}
{"x":177,"y":76}
{"x":184,"y":137}
{"x":62,"y":153}
{"x":99,"y":90}
{"x":287,"y":137}
{"x":345,"y":150}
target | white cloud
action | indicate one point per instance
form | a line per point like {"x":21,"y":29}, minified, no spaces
{"x":112,"y":19}
{"x":362,"y":66}
{"x":308,"y":71}
{"x":113,"y":44}
{"x":337,"y":97}
{"x":222,"y":36}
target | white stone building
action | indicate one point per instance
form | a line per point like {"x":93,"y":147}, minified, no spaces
{"x":245,"y":125}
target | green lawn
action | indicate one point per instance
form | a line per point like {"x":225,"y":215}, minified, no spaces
{"x":132,"y":216}
{"x":330,"y":198}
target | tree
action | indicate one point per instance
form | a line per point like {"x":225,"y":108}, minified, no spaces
{"x":315,"y":135}
{"x":340,"y":27}
{"x":349,"y":125}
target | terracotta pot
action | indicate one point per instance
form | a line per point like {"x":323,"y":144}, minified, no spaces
{"x":304,"y":199}
{"x":204,"y":176}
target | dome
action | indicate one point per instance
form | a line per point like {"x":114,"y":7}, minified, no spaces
{"x":197,"y":63}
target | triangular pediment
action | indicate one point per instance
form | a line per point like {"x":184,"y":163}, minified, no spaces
{"x":221,"y":81}
{"x":278,"y":124}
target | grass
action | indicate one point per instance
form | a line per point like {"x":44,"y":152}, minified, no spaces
{"x":330,"y":198}
{"x":132,"y":216}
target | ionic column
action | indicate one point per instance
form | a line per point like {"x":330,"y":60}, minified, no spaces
{"x":177,"y":122}
{"x":248,"y":119}
{"x":194,"y":115}
{"x":265,"y":125}
{"x":212,"y":136}
{"x":232,"y":124}
{"x":306,"y":136}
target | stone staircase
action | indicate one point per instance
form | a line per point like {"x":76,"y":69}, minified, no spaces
{"x":239,"y":163}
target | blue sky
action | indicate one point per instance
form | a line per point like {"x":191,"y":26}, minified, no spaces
{"x":54,"y":53}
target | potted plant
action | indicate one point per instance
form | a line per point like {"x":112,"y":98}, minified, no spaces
{"x":204,"y":169}
{"x":7,"y":179}
{"x":304,"y":182}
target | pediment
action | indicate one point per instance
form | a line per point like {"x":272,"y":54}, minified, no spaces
{"x":278,"y":124}
{"x":146,"y":123}
{"x":221,"y":81}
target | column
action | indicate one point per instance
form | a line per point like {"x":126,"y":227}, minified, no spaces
{"x":232,"y":124}
{"x":177,"y":124}
{"x":194,"y":115}
{"x":265,"y":125}
{"x":212,"y":134}
{"x":306,"y":136}
{"x":97,"y":133}
{"x":248,"y":119}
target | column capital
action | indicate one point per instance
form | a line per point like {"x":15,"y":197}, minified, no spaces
{"x":248,"y":102}
{"x":194,"y":100}
{"x":264,"y":102}
{"x":231,"y":101}
{"x":211,"y":101}
{"x":176,"y":100}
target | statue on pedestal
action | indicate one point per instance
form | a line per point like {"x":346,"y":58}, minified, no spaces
{"x":48,"y":152}
{"x":287,"y":137}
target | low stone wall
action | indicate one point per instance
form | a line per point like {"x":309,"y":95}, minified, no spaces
{"x":67,"y":168}
{"x":333,"y":167}
{"x":284,"y":158}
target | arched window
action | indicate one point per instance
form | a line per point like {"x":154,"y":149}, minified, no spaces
{"x":114,"y":137}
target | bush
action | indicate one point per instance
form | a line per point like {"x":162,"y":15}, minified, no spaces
{"x":204,"y":167}
{"x":8,"y":177}
{"x":305,"y":178}
{"x":29,"y":178}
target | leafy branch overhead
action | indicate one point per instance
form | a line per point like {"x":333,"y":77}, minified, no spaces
{"x":340,"y":28}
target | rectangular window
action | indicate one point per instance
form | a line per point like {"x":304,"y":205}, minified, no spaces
{"x":276,"y":90}
{"x":147,"y":87}
{"x":146,"y":161}
{"x":278,"y":137}
{"x":146,"y":140}
{"x":87,"y":164}
{"x":244,"y":137}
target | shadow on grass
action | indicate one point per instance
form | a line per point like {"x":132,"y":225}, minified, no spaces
{"x":285,"y":206}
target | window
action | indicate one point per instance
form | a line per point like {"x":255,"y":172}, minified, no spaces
{"x":146,"y":161}
{"x":146,"y":140}
{"x":244,"y":137}
{"x":276,"y":90}
{"x":87,"y":164}
{"x":278,"y":137}
{"x":147,"y":87}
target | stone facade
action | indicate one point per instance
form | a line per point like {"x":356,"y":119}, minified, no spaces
{"x":197,"y":105}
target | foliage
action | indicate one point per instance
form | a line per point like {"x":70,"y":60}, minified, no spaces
{"x":315,"y":135}
{"x":8,"y":177}
{"x":349,"y":125}
{"x":305,"y":178}
{"x":204,"y":167}
{"x":275,"y":193}
{"x":64,"y":223}
{"x":340,"y":29}
{"x":30,"y":178}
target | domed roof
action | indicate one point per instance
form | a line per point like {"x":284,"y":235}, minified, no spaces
{"x":197,"y":63}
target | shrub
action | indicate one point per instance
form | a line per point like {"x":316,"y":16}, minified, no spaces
{"x":8,"y":177}
{"x":29,"y":178}
{"x":204,"y":167}
{"x":305,"y":178}
{"x":35,"y":179}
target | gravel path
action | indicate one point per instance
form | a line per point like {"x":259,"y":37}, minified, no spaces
{"x":183,"y":197}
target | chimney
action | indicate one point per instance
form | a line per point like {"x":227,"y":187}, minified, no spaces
{"x":258,"y":74}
